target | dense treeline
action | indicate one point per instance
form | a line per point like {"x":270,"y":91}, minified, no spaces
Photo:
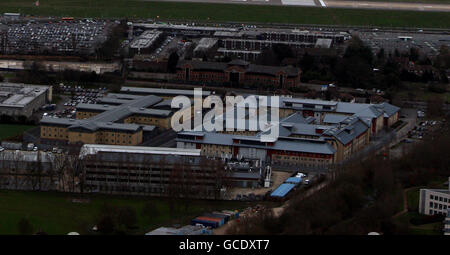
{"x":362,"y":199}
{"x":358,"y":67}
{"x":111,"y":47}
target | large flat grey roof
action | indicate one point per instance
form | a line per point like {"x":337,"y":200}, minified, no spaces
{"x":90,"y":149}
{"x":19,"y":94}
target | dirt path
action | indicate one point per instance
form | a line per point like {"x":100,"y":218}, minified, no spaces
{"x":405,"y":203}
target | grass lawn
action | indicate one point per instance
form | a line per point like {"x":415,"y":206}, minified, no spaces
{"x":418,"y":91}
{"x":227,"y":12}
{"x":55,"y":213}
{"x":412,"y":197}
{"x":8,"y":130}
{"x":425,"y":229}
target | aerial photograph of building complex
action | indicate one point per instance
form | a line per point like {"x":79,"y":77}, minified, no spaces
{"x":225,"y":118}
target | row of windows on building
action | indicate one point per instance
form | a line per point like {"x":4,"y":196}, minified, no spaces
{"x":55,"y":135}
{"x":113,"y":141}
{"x":438,"y":198}
{"x":438,"y":206}
{"x":133,"y":119}
{"x":433,"y":212}
{"x":301,"y":164}
{"x":207,"y":182}
{"x":304,"y":159}
{"x":106,"y":188}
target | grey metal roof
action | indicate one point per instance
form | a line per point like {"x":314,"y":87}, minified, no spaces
{"x":362,"y":110}
{"x":297,"y":118}
{"x":58,"y":121}
{"x":19,"y":95}
{"x":308,"y":146}
{"x":307,"y":129}
{"x":135,"y":106}
{"x":86,"y":124}
{"x":141,"y":155}
{"x":309,"y":101}
{"x":122,"y":96}
{"x":111,"y":100}
{"x":353,"y":127}
{"x":334,"y":118}
{"x":111,"y":114}
{"x":151,"y":112}
{"x":148,"y":128}
{"x":88,"y":149}
{"x":388,"y":109}
{"x":95,"y":107}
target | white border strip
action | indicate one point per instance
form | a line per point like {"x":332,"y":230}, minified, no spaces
{"x":322,"y":3}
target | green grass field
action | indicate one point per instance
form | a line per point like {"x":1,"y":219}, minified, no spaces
{"x":418,"y":91}
{"x":8,"y":130}
{"x":55,"y":213}
{"x":425,"y":229}
{"x":227,"y":12}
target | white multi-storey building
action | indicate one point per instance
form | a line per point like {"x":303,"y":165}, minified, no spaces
{"x":447,"y":223}
{"x":434,"y":201}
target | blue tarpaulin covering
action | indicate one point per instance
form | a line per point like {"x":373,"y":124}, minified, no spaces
{"x":293,"y":180}
{"x":282,"y":190}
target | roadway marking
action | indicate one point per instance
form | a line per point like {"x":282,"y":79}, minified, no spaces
{"x":322,"y":3}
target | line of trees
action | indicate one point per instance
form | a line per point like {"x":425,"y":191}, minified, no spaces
{"x":355,"y":67}
{"x":59,"y":172}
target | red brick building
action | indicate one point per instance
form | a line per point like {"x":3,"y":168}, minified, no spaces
{"x":238,"y":72}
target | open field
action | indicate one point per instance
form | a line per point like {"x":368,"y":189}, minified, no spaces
{"x":418,"y":91}
{"x":8,"y":130}
{"x":228,"y":12}
{"x":56,"y":213}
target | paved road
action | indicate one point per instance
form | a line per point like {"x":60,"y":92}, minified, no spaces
{"x":388,"y":5}
{"x":333,"y":4}
{"x":254,"y":2}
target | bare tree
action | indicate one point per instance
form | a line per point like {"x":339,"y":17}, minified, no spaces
{"x":57,"y":166}
{"x":75,"y":166}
